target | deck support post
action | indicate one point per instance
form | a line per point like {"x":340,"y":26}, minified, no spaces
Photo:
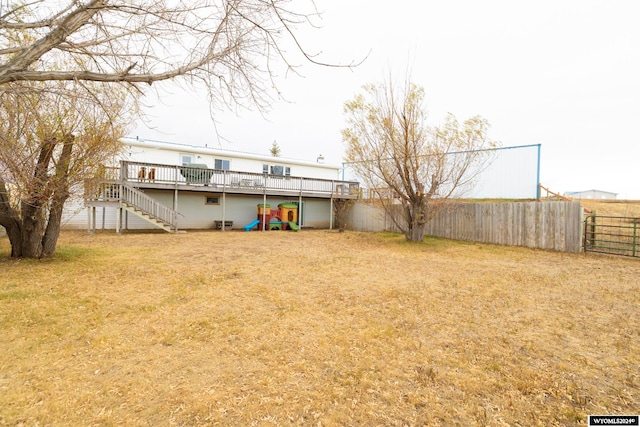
{"x":91,"y":220}
{"x":331,"y":213}
{"x":224,"y":200}
{"x":119,"y":218}
{"x":224,"y":211}
{"x":264,"y":209}
{"x":175,"y":204}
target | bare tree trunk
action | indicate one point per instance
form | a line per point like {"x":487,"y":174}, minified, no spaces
{"x":52,"y":232}
{"x":60,"y":196}
{"x":341,"y":208}
{"x":417,"y":233}
{"x":33,"y":207}
{"x":415,"y":223}
{"x":10,"y":220}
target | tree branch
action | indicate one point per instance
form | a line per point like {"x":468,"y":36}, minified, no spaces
{"x":68,"y":25}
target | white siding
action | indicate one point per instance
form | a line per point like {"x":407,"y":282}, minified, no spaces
{"x":197,"y":214}
{"x":74,"y":214}
{"x":106,"y":218}
{"x":316,"y":213}
{"x":170,"y":154}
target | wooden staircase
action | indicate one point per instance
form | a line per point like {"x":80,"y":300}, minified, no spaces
{"x":125,"y":196}
{"x":550,"y":195}
{"x":140,"y":213}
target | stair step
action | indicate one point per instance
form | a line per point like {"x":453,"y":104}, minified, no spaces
{"x":148,"y":217}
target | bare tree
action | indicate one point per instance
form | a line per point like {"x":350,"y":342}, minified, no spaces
{"x":404,"y":162}
{"x":227,"y":46}
{"x":52,"y":136}
{"x":232,"y":48}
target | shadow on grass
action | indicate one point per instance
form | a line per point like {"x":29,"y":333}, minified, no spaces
{"x":427,"y":242}
{"x":62,"y":253}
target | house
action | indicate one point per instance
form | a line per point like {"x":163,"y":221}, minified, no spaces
{"x":591,"y":194}
{"x":174,"y":186}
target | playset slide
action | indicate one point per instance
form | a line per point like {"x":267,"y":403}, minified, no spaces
{"x":293,"y":226}
{"x":248,"y":227}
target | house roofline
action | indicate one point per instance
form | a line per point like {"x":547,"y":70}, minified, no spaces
{"x":163,"y":145}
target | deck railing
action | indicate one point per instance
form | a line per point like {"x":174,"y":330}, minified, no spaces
{"x":121,"y":192}
{"x":149,"y":205}
{"x":225,"y":180}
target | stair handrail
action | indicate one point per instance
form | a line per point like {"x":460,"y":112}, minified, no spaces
{"x":148,"y":205}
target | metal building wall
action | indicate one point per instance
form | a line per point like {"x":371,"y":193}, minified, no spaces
{"x":510,"y":173}
{"x":513,"y":173}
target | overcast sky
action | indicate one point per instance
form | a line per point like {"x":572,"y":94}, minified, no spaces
{"x":563,"y":74}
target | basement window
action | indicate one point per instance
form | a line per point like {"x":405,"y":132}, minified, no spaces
{"x":212,"y":201}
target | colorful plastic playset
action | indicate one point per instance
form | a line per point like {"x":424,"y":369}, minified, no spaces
{"x":283,"y":218}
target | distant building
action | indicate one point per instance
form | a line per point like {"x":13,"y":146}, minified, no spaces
{"x":591,"y":194}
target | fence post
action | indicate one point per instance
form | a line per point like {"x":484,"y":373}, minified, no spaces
{"x":590,"y":231}
{"x":635,"y":235}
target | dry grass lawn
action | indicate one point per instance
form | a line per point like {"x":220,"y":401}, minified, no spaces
{"x":625,"y":208}
{"x":314,"y":328}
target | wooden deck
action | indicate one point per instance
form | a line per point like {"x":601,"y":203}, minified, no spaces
{"x":183,"y":178}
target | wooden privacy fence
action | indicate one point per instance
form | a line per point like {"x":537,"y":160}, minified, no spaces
{"x":553,"y":225}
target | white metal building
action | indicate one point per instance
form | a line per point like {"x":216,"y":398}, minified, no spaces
{"x":509,"y":173}
{"x":591,"y":194}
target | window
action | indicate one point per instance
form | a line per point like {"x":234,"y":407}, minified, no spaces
{"x":186,"y":159}
{"x":212,"y":201}
{"x":221,"y":164}
{"x":276,"y":170}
